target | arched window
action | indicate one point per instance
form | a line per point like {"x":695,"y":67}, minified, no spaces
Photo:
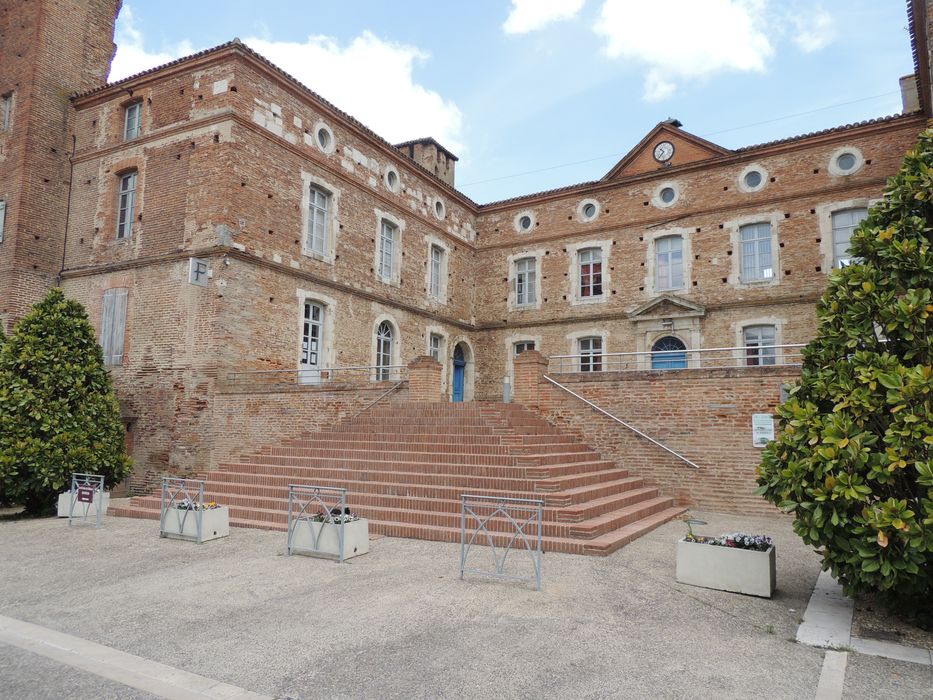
{"x":669,"y":353}
{"x":384,"y":339}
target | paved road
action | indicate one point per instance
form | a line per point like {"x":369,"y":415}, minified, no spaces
{"x":398,"y":623}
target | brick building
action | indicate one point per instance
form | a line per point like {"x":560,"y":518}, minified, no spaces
{"x":228,"y":229}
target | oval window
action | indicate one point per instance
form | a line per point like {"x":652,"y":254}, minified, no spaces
{"x":525,"y":222}
{"x":668,"y":195}
{"x":752,"y":179}
{"x":846,"y":161}
{"x":392,"y":180}
{"x":589,"y":211}
{"x":439,"y":209}
{"x":323,"y":138}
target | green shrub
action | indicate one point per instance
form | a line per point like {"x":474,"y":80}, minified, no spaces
{"x":854,"y":457}
{"x":58,"y":412}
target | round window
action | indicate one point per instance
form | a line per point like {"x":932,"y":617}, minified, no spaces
{"x":392,"y":180}
{"x":323,"y":138}
{"x":668,"y":195}
{"x":439,"y":209}
{"x":589,"y":210}
{"x":752,"y":179}
{"x":525,"y":222}
{"x":846,"y":161}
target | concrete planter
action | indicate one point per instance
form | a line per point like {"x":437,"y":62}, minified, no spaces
{"x":183,"y":524}
{"x":64,"y":503}
{"x":726,"y":568}
{"x":322,"y":539}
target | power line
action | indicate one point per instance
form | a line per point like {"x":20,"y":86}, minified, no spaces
{"x":712,"y":133}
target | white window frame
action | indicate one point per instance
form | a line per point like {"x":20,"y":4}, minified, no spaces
{"x":510,"y":342}
{"x":824,"y":214}
{"x":387,"y":263}
{"x":113,"y":325}
{"x":737,"y":276}
{"x":757,"y":238}
{"x":318,"y":229}
{"x":436,"y":349}
{"x":765,"y":358}
{"x":526,"y":282}
{"x":2,"y":219}
{"x":126,"y":203}
{"x":309,"y":182}
{"x":132,"y":120}
{"x":670,"y":283}
{"x":738,"y":330}
{"x":574,"y":271}
{"x":847,"y":257}
{"x":591,"y":349}
{"x":379,"y":358}
{"x":436,"y":286}
{"x":575,"y":338}
{"x":525,"y":348}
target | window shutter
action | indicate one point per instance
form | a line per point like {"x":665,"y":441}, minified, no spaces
{"x":113,"y":325}
{"x":2,"y":218}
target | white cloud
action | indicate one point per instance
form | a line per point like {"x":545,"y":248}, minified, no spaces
{"x":529,"y":15}
{"x":372,"y":80}
{"x":368,"y":78}
{"x":131,"y":57}
{"x":683,"y":40}
{"x":814,"y":31}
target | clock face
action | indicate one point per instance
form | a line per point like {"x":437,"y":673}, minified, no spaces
{"x":663,"y":151}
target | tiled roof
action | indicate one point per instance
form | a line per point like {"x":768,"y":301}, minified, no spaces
{"x":236,"y":43}
{"x":426,"y":139}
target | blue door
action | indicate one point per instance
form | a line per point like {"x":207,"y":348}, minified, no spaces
{"x":459,"y":372}
{"x":669,"y":353}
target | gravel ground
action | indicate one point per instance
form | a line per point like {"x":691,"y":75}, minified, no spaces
{"x":398,"y":622}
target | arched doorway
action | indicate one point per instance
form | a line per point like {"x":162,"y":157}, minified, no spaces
{"x":459,"y":374}
{"x":669,"y":353}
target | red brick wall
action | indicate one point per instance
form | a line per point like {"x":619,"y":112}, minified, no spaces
{"x":705,"y":415}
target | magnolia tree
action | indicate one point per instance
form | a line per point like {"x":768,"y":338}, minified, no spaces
{"x":853,"y":460}
{"x":58,"y":412}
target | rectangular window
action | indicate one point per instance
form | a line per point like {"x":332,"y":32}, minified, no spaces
{"x":844,"y":223}
{"x":524,"y":345}
{"x":126,"y":202}
{"x":755,"y":240}
{"x":113,"y":325}
{"x":759,"y":345}
{"x":6,"y":111}
{"x":434,"y":346}
{"x":437,"y":270}
{"x":2,"y":218}
{"x":131,"y":120}
{"x":669,"y":262}
{"x":318,"y":220}
{"x":591,"y":273}
{"x":525,"y":281}
{"x":591,"y":354}
{"x":386,"y":250}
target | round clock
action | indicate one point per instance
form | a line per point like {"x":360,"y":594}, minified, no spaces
{"x":663,"y":151}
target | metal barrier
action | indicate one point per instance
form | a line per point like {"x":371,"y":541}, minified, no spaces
{"x":750,"y":356}
{"x":183,"y":498}
{"x":86,"y":494}
{"x":506,"y":520}
{"x":310,"y":510}
{"x":317,"y":377}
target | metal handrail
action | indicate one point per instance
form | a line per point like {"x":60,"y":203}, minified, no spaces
{"x":381,"y":396}
{"x":698,"y":358}
{"x":317,"y":376}
{"x":622,"y":422}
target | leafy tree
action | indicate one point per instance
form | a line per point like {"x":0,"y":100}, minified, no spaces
{"x":58,"y":412}
{"x":854,"y":458}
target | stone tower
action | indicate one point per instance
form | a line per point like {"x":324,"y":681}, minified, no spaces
{"x":49,"y":50}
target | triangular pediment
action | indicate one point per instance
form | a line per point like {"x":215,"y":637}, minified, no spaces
{"x":666,"y":306}
{"x":687,"y":148}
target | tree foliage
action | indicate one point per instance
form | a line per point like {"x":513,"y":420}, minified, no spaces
{"x":854,"y":457}
{"x":58,"y":412}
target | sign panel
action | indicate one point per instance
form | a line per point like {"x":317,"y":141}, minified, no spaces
{"x":762,"y":429}
{"x":198,"y":272}
{"x":85,"y":494}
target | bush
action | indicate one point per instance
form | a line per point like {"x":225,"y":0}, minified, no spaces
{"x":58,"y":412}
{"x":854,"y":457}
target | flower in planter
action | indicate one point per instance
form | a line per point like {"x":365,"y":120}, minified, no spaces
{"x":738,"y":540}
{"x":334,"y":516}
{"x":188,"y":504}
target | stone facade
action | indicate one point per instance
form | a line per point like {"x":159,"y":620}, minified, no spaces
{"x":192,"y":187}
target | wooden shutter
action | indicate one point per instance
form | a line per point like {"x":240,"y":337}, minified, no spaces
{"x":113,"y":325}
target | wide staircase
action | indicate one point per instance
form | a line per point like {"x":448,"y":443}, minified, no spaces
{"x":405,"y":466}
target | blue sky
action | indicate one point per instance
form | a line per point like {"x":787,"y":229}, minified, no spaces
{"x":535,"y":94}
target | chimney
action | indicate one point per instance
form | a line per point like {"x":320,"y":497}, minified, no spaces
{"x":910,"y":98}
{"x":431,"y":156}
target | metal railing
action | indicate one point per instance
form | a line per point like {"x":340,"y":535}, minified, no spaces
{"x":498,"y":517}
{"x":317,"y":377}
{"x":391,"y":390}
{"x":623,"y":423}
{"x":182,"y":499}
{"x":87,"y":499}
{"x":666,"y":360}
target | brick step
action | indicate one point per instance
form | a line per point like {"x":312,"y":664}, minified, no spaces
{"x":376,"y":527}
{"x":429,"y":438}
{"x":590,"y":509}
{"x":322,"y":446}
{"x":562,"y":483}
{"x":585,"y":494}
{"x":321,"y":457}
{"x":273,"y":486}
{"x":605,"y":545}
{"x":616,"y":519}
{"x":434,"y":472}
